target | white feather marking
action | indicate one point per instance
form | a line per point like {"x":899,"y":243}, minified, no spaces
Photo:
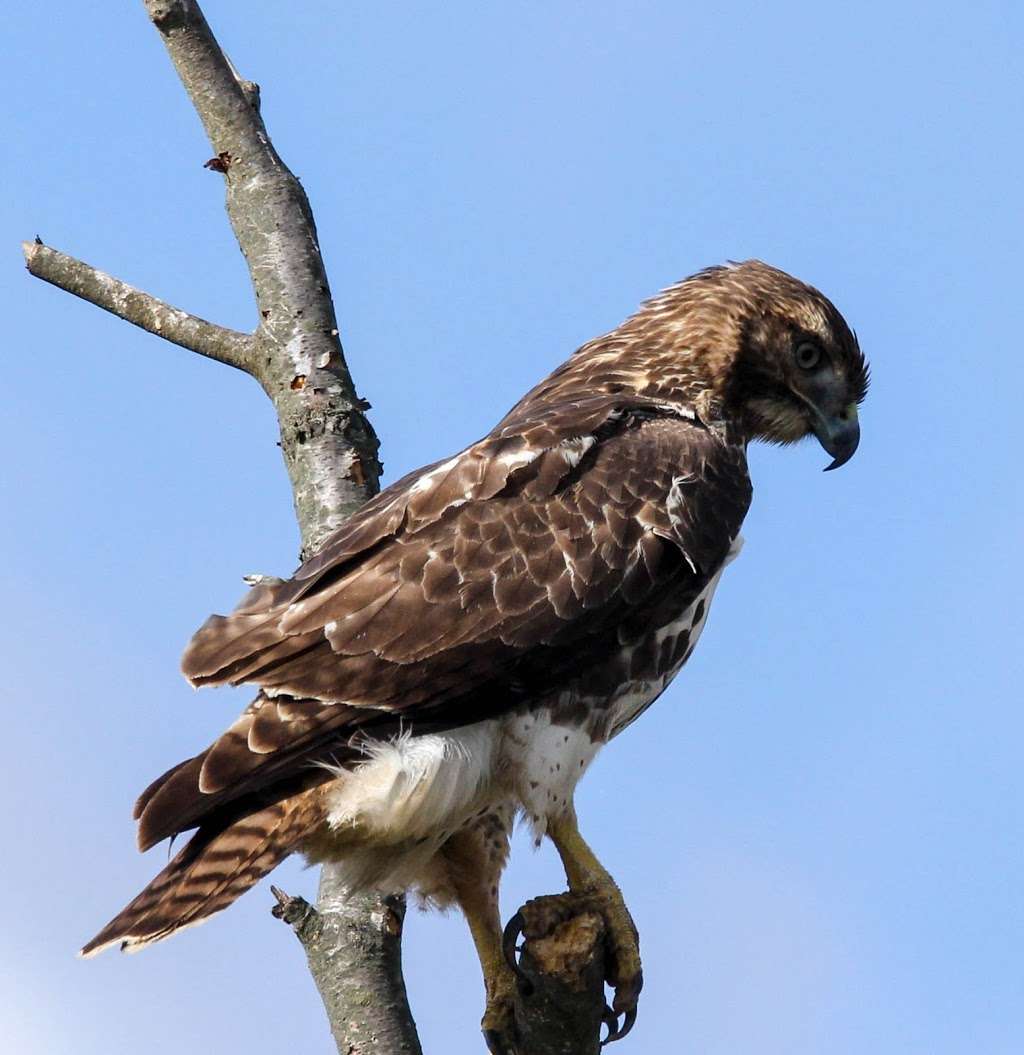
{"x":132,"y":943}
{"x":513,"y":460}
{"x":574,"y":449}
{"x":427,"y":480}
{"x":547,"y":761}
{"x":414,"y":786}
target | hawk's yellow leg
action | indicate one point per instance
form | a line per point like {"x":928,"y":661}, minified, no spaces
{"x":499,"y":981}
{"x":589,"y":879}
{"x":477,"y":894}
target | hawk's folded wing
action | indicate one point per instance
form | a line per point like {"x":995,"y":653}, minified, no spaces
{"x":461,"y":591}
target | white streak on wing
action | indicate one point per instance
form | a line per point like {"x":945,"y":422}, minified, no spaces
{"x":573,"y":450}
{"x":510,"y":461}
{"x":427,"y":480}
{"x":675,"y":502}
{"x":513,"y":460}
{"x":679,"y":410}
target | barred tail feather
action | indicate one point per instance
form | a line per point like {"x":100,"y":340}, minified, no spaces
{"x":215,"y":867}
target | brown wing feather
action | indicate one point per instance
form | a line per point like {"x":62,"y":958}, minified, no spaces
{"x":422,"y":499}
{"x":500,"y":568}
{"x":270,"y":752}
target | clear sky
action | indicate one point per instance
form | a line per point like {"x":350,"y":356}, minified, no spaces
{"x":818,"y":827}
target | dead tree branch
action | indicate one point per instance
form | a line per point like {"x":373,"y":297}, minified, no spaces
{"x":352,"y":944}
{"x":139,"y":308}
{"x":329,"y":447}
{"x":559,"y":1011}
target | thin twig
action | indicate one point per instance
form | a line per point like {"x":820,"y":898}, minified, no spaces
{"x":139,"y":308}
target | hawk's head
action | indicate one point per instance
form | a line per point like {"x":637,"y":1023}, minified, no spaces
{"x":795,"y":367}
{"x":746,"y":343}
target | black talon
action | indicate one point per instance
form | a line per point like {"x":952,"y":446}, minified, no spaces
{"x":510,"y":936}
{"x":496,"y":1043}
{"x":611,"y":1020}
{"x":513,"y":929}
{"x":628,"y":1021}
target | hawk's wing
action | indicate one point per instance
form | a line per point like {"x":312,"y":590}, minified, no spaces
{"x":461,"y":591}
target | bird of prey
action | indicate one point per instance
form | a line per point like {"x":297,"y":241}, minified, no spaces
{"x":460,"y":649}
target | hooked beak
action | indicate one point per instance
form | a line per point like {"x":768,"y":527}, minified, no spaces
{"x":839,"y":434}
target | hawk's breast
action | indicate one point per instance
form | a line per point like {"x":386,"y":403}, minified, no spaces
{"x":673,"y":643}
{"x":549,"y":746}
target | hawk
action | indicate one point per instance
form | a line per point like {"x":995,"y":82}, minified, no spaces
{"x":460,"y":649}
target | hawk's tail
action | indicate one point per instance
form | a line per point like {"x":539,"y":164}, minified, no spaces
{"x":217,"y":865}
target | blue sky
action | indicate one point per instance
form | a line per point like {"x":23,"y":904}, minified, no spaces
{"x":818,"y":827}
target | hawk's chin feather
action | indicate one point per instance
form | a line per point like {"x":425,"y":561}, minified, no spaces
{"x":778,"y":421}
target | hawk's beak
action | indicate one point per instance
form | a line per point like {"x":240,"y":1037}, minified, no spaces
{"x":839,"y":434}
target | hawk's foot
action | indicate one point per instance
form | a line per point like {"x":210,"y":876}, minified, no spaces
{"x":498,"y":1023}
{"x":589,"y":879}
{"x":622,"y":951}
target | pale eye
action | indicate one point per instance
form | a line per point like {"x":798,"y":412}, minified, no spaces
{"x":807,"y":355}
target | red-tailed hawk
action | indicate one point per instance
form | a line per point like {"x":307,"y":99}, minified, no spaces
{"x":460,"y":650}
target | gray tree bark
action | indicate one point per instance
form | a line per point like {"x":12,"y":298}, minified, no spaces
{"x":352,"y":944}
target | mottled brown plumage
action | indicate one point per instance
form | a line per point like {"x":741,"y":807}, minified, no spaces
{"x":462,"y":647}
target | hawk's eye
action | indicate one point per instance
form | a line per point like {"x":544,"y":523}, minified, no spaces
{"x":807,"y":355}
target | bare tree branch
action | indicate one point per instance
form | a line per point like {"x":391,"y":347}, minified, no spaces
{"x":330,"y":450}
{"x":352,"y":944}
{"x":559,"y":1011}
{"x":337,"y":940}
{"x":329,"y":447}
{"x":142,"y":309}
